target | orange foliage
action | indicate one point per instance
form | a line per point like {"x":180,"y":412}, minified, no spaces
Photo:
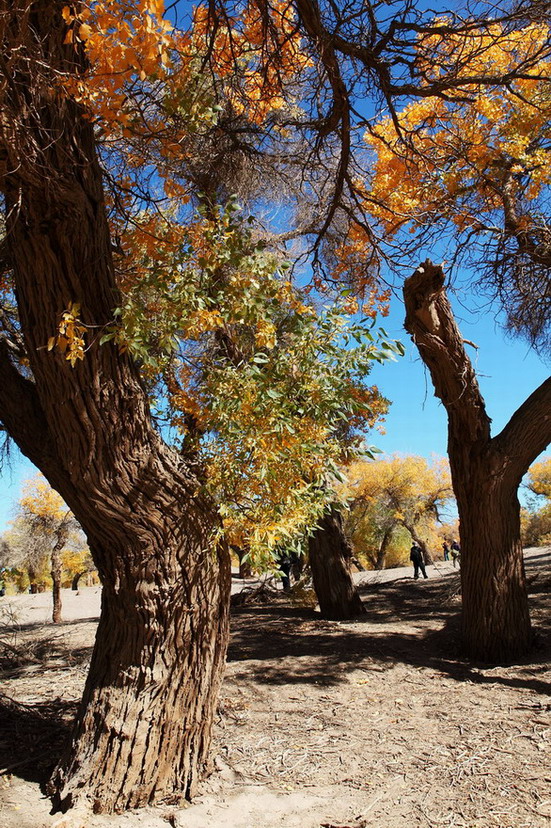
{"x":263,"y":68}
{"x":454,"y":157}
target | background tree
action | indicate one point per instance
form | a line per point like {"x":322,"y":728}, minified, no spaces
{"x":539,"y":478}
{"x":329,"y":555}
{"x":28,"y":556}
{"x":394,"y":492}
{"x":536,"y":520}
{"x":46,"y":528}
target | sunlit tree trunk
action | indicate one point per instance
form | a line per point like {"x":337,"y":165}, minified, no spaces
{"x":486,"y":473}
{"x":56,"y":571}
{"x":245,"y":570}
{"x":144,"y":725}
{"x":412,"y":529}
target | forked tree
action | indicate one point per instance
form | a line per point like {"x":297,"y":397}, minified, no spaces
{"x":486,"y":473}
{"x":330,"y":555}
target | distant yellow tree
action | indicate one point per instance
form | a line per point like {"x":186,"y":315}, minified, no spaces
{"x":396,"y":492}
{"x":539,"y":477}
{"x":536,"y":521}
{"x":47,"y":531}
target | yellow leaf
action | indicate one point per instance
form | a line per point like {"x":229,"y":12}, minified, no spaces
{"x":84,"y":31}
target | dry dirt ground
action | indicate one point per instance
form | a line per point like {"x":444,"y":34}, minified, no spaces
{"x":375,"y":722}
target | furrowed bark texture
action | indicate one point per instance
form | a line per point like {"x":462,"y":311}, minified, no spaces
{"x":486,"y":473}
{"x":144,"y":725}
{"x":61,"y":540}
{"x":329,"y":554}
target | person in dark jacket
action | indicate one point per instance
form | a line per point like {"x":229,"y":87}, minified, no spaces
{"x":456,"y":553}
{"x":284,"y":565}
{"x":416,"y":557}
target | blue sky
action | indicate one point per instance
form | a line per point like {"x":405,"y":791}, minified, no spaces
{"x":508,"y":372}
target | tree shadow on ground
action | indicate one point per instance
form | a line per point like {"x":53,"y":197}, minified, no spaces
{"x":32,"y":737}
{"x":33,"y":626}
{"x":29,"y":657}
{"x":285,"y":645}
{"x":21,"y":655}
{"x":279,"y":643}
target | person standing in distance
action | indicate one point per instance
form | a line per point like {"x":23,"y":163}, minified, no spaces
{"x":416,"y":557}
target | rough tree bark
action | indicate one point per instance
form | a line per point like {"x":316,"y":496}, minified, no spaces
{"x":329,"y":553}
{"x":56,"y":570}
{"x":143,"y":728}
{"x":486,"y":472}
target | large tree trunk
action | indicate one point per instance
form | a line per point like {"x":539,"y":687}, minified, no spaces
{"x":144,"y":726}
{"x":143,"y":729}
{"x":486,"y":473}
{"x":329,"y":554}
{"x":495,"y":605}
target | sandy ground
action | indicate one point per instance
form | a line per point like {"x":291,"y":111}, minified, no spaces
{"x":375,"y":722}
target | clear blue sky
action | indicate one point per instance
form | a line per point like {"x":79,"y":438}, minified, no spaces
{"x":508,"y":372}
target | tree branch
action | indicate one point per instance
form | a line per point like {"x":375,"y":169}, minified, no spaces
{"x":22,"y":415}
{"x":528,"y":432}
{"x":430,"y":321}
{"x":433,"y":328}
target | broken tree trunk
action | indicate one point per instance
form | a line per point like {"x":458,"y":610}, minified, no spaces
{"x":486,"y":472}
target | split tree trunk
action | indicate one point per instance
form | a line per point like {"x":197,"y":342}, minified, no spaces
{"x":143,"y":729}
{"x":245,"y":569}
{"x":486,"y":473}
{"x":330,"y":553}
